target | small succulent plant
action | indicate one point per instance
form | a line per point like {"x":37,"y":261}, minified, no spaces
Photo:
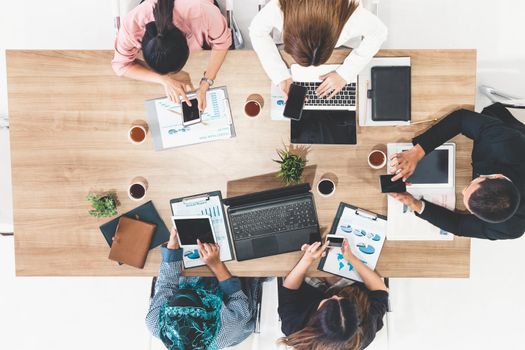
{"x":292,"y":167}
{"x":104,"y":205}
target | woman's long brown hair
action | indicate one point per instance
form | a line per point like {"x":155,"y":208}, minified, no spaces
{"x":312,"y":27}
{"x":312,"y":338}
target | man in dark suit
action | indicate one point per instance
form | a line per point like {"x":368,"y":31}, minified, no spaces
{"x":495,"y":199}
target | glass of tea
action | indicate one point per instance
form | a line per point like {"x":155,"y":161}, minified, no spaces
{"x":137,"y":132}
{"x":376,"y":159}
{"x":137,"y":188}
{"x":253,"y":105}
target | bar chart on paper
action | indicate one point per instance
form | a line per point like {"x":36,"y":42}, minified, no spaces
{"x":212,"y":212}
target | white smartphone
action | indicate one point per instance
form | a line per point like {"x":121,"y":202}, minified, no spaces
{"x":191,"y":228}
{"x":191,"y":114}
{"x":335,"y":241}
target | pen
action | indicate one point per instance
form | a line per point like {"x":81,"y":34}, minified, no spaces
{"x":425,"y":121}
{"x":258,"y":311}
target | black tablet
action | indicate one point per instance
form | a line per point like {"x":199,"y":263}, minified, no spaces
{"x":191,"y":228}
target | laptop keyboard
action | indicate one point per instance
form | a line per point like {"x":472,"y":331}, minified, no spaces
{"x":345,"y":97}
{"x":279,"y":218}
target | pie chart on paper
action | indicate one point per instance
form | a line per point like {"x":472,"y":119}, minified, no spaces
{"x":374,"y":237}
{"x":192,"y":254}
{"x":346,"y":228}
{"x":366,"y":248}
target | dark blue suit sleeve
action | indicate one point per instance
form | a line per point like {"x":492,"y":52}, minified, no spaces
{"x":468,"y":225}
{"x":468,"y":123}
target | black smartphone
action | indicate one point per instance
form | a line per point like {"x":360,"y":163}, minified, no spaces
{"x":335,"y":241}
{"x":387,"y":186}
{"x":190,"y":114}
{"x":294,"y":105}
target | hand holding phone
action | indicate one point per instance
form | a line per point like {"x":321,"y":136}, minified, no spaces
{"x":295,"y":102}
{"x":389,"y":186}
{"x":335,"y":241}
{"x":191,"y":114}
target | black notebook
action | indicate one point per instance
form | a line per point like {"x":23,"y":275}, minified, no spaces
{"x":147,"y":213}
{"x":390,"y":93}
{"x":337,"y":127}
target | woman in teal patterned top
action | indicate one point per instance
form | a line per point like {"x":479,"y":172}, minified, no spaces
{"x":201,"y":312}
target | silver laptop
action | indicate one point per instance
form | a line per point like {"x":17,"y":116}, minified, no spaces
{"x":309,"y":77}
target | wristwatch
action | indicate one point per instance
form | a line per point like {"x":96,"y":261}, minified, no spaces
{"x":209,"y":81}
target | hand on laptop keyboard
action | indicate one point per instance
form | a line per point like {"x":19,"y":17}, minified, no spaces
{"x":331,"y":85}
{"x":345,"y":97}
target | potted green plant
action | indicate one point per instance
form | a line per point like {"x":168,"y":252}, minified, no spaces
{"x":103,"y":205}
{"x":292,"y":167}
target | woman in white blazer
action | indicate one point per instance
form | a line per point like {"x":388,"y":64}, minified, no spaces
{"x":311,"y":30}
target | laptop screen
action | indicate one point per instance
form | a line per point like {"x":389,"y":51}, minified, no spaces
{"x":257,"y":197}
{"x":324,"y":127}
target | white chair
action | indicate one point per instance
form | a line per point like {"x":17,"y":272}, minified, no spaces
{"x":121,"y":7}
{"x":513,"y":103}
{"x":269,"y":326}
{"x":6,"y":200}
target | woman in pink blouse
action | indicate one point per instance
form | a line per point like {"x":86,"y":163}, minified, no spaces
{"x":167,"y":31}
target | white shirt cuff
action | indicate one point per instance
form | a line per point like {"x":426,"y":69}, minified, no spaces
{"x":422,"y":208}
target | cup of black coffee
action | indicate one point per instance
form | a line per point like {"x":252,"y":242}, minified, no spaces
{"x":326,"y":187}
{"x":137,"y":188}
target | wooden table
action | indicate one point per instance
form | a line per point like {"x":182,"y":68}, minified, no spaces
{"x":69,"y":117}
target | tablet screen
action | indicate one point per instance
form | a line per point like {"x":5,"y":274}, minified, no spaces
{"x":191,"y":229}
{"x":432,"y":169}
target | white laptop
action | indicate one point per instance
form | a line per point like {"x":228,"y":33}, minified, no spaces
{"x":346,"y":99}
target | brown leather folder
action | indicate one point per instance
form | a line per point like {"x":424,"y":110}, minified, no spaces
{"x":131,"y":242}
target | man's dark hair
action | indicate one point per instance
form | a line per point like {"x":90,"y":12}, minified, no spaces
{"x":164,"y":46}
{"x":496,"y":200}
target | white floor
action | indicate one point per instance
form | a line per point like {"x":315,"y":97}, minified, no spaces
{"x":483,"y":312}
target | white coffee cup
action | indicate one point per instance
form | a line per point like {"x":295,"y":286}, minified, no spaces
{"x":137,"y":188}
{"x":376,"y":165}
{"x":325,"y":187}
{"x":137,"y":132}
